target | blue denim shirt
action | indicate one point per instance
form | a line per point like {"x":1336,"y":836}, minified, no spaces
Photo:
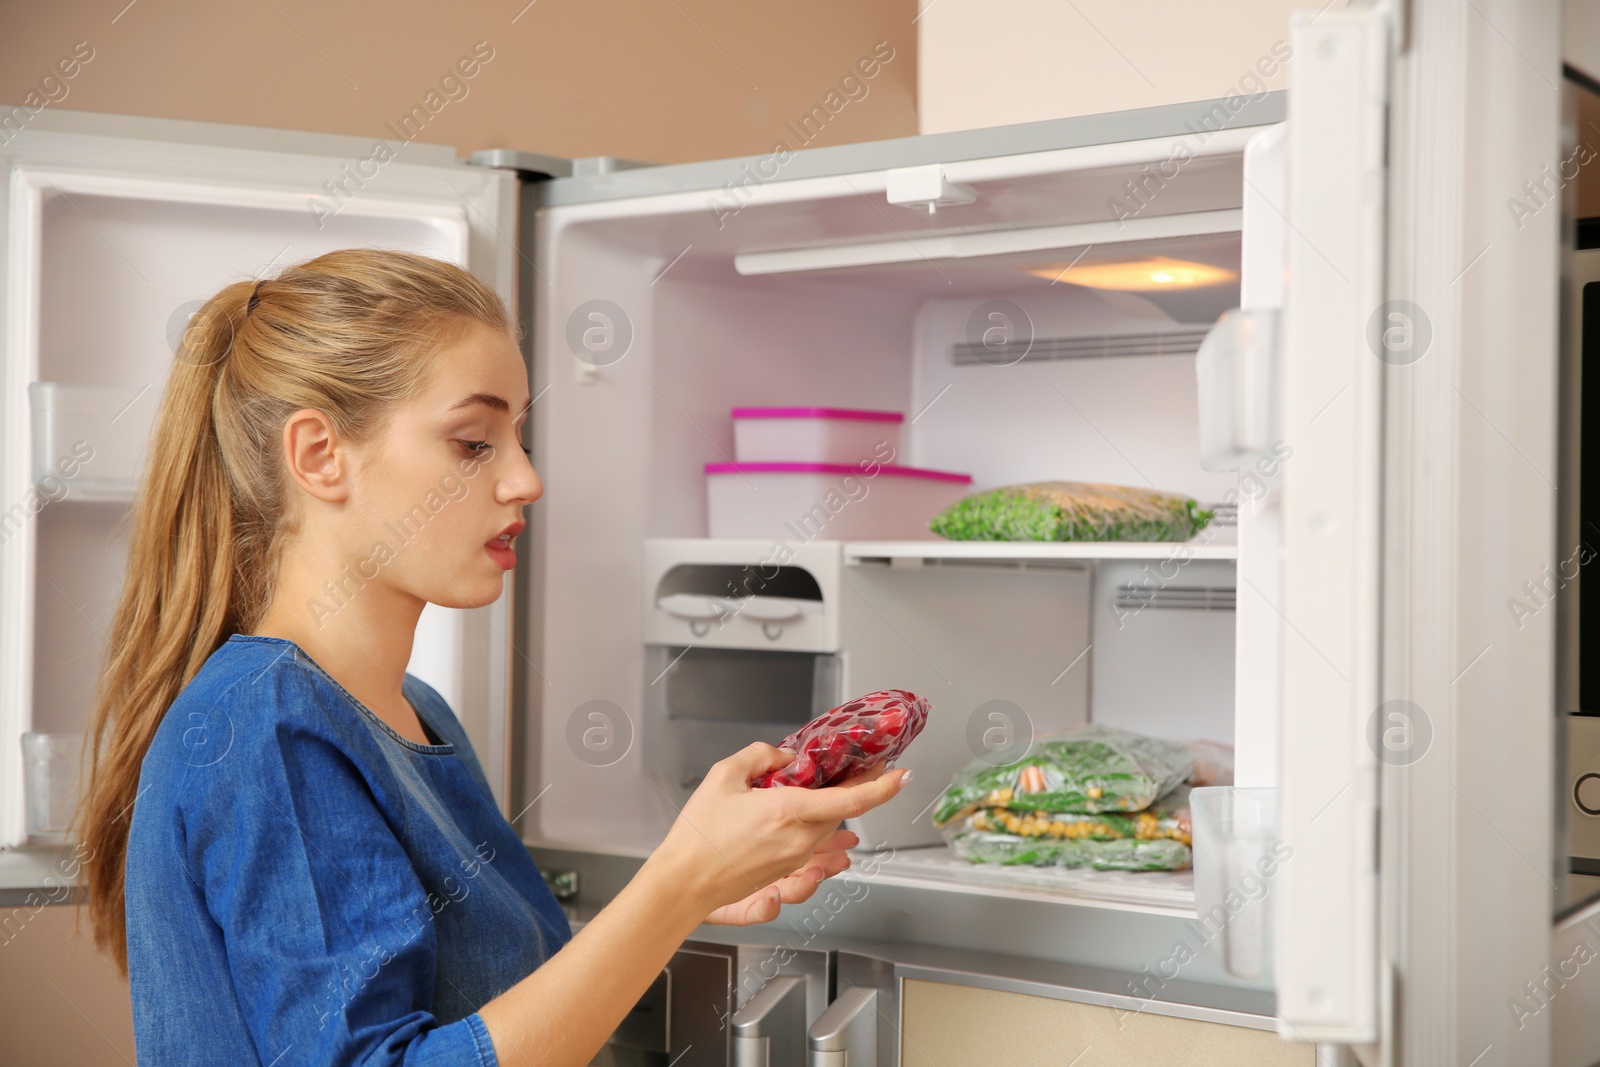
{"x":306,"y":886}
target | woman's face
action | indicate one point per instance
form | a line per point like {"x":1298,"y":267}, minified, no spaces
{"x":441,"y":491}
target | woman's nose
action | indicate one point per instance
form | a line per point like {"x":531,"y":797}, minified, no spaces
{"x":521,"y":485}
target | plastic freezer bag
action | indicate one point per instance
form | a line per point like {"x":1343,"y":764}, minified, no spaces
{"x":1156,"y":839}
{"x":1120,"y":855}
{"x":850,"y":738}
{"x":1071,"y":511}
{"x":1089,"y":770}
{"x":1166,"y":819}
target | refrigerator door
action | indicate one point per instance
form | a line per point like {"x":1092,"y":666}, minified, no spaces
{"x":117,"y":229}
{"x":1331,"y":733}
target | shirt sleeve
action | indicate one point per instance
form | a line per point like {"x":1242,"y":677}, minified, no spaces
{"x":329,"y":932}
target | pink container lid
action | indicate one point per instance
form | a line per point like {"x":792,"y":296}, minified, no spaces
{"x":818,"y":413}
{"x":834,"y":468}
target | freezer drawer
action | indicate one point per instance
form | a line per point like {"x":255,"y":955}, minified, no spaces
{"x":944,"y":1023}
{"x":931,"y":1007}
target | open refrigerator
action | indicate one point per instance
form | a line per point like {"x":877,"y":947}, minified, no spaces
{"x":656,"y":299}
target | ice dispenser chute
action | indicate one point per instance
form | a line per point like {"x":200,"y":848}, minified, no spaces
{"x":740,"y":647}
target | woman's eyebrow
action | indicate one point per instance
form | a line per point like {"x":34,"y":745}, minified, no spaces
{"x":498,"y":403}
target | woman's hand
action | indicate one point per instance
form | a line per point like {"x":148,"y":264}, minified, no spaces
{"x":760,"y":907}
{"x":733,"y":846}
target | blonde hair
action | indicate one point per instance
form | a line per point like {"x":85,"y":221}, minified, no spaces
{"x":352,"y":334}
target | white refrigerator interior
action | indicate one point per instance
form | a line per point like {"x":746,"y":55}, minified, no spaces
{"x":665,"y":311}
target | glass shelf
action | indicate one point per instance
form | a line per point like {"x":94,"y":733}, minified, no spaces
{"x":1222,"y":546}
{"x":936,"y":867}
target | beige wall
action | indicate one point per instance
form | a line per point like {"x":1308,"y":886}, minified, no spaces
{"x":61,"y":1003}
{"x":659,"y":80}
{"x":983,"y":63}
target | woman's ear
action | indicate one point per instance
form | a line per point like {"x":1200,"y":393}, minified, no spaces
{"x":315,"y":455}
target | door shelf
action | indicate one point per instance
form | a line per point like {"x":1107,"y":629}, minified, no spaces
{"x":89,"y":441}
{"x":936,"y":867}
{"x":912,"y":553}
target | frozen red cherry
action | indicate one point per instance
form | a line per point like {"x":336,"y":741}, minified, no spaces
{"x":851,"y":738}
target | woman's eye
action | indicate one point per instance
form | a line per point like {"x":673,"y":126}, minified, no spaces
{"x":476,"y":447}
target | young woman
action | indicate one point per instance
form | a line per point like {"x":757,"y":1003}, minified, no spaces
{"x":296,"y":857}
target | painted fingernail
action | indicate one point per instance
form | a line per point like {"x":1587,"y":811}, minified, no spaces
{"x":906,"y":777}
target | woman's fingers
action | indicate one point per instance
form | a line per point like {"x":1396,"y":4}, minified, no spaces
{"x":831,"y":863}
{"x":759,"y":907}
{"x":755,"y":908}
{"x":835,"y":803}
{"x":870,"y":774}
{"x":754,"y":760}
{"x":839,"y":841}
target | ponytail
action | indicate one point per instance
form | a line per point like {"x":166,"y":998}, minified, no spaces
{"x":349,"y":334}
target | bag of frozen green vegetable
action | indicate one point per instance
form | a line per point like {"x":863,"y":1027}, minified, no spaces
{"x":1088,"y":770}
{"x":1121,"y":855}
{"x":1071,"y":511}
{"x":1156,"y":839}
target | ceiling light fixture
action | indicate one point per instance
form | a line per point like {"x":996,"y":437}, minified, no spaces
{"x":1137,"y":274}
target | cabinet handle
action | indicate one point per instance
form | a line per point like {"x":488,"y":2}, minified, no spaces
{"x":846,"y":1033}
{"x":770,"y":1030}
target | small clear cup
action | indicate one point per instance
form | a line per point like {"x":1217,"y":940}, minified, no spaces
{"x":50,"y":784}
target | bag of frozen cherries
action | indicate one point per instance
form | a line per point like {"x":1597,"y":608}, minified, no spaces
{"x":850,"y":738}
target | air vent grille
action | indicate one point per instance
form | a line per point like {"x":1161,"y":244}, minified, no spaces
{"x":1183,"y":341}
{"x":1134,"y":597}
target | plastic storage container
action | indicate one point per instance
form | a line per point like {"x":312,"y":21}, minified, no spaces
{"x":50,"y":783}
{"x":815,"y":435}
{"x":1237,"y":854}
{"x":826,"y":501}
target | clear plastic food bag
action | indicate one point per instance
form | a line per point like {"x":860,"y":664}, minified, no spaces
{"x":1071,"y":511}
{"x":1213,"y":763}
{"x":850,"y":738}
{"x":1156,"y":839}
{"x":1012,"y":851}
{"x":1089,"y":770}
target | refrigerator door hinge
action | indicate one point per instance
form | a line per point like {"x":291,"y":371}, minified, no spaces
{"x":537,"y":166}
{"x":530,"y":166}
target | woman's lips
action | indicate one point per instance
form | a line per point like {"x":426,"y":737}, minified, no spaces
{"x":504,"y":556}
{"x":499,"y":547}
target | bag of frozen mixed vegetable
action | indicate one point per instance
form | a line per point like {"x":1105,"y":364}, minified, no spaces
{"x":1071,"y":511}
{"x":1088,"y":770}
{"x":1156,"y":839}
{"x":1009,"y":850}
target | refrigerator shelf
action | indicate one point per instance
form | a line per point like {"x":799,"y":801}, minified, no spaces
{"x":936,"y":867}
{"x":1219,"y":546}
